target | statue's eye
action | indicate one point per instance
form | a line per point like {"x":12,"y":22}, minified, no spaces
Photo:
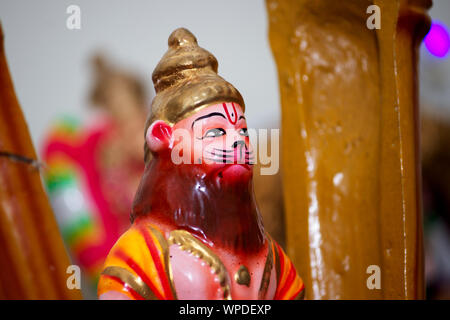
{"x":213,"y":133}
{"x":243,"y":132}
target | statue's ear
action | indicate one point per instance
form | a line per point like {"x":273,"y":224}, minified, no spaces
{"x":158,"y":136}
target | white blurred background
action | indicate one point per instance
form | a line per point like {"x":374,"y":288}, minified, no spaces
{"x":50,"y":63}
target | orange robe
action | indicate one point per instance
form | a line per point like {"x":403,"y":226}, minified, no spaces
{"x":138,"y":267}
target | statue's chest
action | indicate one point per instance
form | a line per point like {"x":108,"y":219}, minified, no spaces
{"x":199,"y":273}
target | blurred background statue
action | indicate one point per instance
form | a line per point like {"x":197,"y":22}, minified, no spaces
{"x":93,"y":169}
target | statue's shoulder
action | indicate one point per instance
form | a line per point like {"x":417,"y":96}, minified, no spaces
{"x":289,"y":284}
{"x":139,"y":260}
{"x":139,"y":236}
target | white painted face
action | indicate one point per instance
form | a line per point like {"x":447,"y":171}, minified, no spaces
{"x":215,"y":137}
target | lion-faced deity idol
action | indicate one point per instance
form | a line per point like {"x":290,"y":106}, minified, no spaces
{"x":196,"y":231}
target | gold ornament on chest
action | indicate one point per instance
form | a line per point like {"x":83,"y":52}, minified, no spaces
{"x":187,"y":242}
{"x":242,"y":276}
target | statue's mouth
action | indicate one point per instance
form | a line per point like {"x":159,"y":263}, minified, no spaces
{"x":235,"y":172}
{"x":244,"y":165}
{"x":234,"y":166}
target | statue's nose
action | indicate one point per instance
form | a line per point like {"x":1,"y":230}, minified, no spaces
{"x":239,"y":143}
{"x":240,"y":149}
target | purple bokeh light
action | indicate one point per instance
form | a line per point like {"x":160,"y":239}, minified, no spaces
{"x":437,"y":41}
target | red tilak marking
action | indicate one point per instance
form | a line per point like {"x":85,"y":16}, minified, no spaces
{"x":135,"y":295}
{"x":133,"y":265}
{"x":228,"y":114}
{"x":159,"y":267}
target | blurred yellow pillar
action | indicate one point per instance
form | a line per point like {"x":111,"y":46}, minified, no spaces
{"x":350,"y":149}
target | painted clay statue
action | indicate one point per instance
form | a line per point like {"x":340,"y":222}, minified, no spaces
{"x":196,"y":232}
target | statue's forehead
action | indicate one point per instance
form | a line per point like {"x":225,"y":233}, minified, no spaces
{"x":231,"y":110}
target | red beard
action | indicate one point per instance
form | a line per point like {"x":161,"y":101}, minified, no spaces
{"x":202,"y":201}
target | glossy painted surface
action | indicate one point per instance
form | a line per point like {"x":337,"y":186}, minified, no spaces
{"x":153,"y":261}
{"x":195,"y":218}
{"x":192,"y":277}
{"x":212,"y":198}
